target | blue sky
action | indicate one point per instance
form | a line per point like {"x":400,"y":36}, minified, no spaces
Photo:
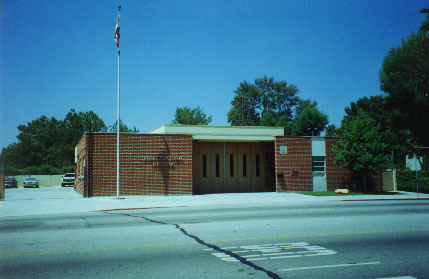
{"x":58,"y":55}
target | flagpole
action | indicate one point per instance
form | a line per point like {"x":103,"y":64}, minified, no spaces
{"x":118,"y":123}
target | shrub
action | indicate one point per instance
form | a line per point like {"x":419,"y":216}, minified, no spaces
{"x":39,"y":170}
{"x":407,"y":180}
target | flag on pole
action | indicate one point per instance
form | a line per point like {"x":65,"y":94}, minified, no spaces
{"x":117,"y":35}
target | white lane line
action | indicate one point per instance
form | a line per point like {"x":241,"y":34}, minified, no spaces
{"x":278,"y":254}
{"x":256,"y":259}
{"x":327,"y":266}
{"x":285,"y":257}
{"x":251,"y":256}
{"x":400,"y":277}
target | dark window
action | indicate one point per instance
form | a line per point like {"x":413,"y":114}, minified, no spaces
{"x":258,"y":173}
{"x":217,"y":165}
{"x":204,"y":165}
{"x":318,"y":163}
{"x":231,"y":165}
{"x":244,"y":166}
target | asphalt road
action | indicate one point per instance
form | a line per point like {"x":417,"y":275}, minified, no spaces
{"x":377,"y":239}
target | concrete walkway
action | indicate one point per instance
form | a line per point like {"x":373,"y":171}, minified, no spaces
{"x":54,"y":200}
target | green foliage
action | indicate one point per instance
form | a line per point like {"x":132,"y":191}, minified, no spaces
{"x":406,"y":180}
{"x":360,"y":147}
{"x":74,"y":126}
{"x":331,"y":131}
{"x":405,"y":78}
{"x":377,"y":107}
{"x":190,"y":116}
{"x":275,"y":103}
{"x":124,"y":128}
{"x":266,"y":102}
{"x":309,"y":122}
{"x":38,"y":170}
{"x":46,"y":145}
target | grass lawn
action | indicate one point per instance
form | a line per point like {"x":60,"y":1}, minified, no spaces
{"x":324,"y":194}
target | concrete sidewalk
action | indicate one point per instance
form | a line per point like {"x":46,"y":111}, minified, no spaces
{"x":54,"y":200}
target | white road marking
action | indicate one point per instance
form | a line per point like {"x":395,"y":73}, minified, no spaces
{"x":284,"y":257}
{"x":278,"y":254}
{"x":327,"y":266}
{"x":251,"y":256}
{"x":400,"y":277}
{"x":274,"y":251}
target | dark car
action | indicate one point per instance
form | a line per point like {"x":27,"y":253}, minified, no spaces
{"x":31,"y":182}
{"x":10,"y":182}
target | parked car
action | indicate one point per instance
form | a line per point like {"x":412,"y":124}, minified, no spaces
{"x":10,"y":182}
{"x":31,"y":182}
{"x":68,"y":179}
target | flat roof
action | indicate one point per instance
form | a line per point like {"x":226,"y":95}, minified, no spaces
{"x":222,"y":133}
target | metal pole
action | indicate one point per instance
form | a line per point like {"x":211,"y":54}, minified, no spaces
{"x":118,"y":123}
{"x":415,"y":165}
{"x":224,"y":167}
{"x":417,"y":179}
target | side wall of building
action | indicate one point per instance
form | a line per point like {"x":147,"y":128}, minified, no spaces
{"x":150,"y":164}
{"x":293,"y":169}
{"x":80,"y":165}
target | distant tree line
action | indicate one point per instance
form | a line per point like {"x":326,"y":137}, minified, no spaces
{"x":46,"y":145}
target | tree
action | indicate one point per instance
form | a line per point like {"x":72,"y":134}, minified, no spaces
{"x":331,"y":131}
{"x":75,"y":125}
{"x":310,"y":121}
{"x":405,"y":78}
{"x":303,"y":104}
{"x":190,"y":116}
{"x":39,"y":143}
{"x":360,"y":147}
{"x":378,"y":108}
{"x":124,"y":128}
{"x":266,"y":102}
{"x":48,"y":142}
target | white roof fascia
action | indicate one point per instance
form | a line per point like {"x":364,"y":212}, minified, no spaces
{"x":222,"y":133}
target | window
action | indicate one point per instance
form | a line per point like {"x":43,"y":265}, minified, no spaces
{"x":231,"y":165}
{"x":258,"y":173}
{"x":244,"y":166}
{"x":318,"y":163}
{"x":204,"y":165}
{"x":217,"y":165}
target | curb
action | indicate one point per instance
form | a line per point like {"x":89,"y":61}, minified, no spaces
{"x":399,"y":199}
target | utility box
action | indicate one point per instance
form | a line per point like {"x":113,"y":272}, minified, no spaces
{"x":389,"y":180}
{"x":2,"y":192}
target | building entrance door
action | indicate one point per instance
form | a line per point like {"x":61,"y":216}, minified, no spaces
{"x":232,"y":167}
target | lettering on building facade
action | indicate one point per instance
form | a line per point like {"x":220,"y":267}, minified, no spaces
{"x":158,"y":161}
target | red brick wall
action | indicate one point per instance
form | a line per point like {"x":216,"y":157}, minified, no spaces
{"x":293,"y":170}
{"x":149,"y":164}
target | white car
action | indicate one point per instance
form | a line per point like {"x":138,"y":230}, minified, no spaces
{"x":68,"y":179}
{"x":31,"y":182}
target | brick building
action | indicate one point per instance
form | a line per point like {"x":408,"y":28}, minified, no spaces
{"x":186,"y":160}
